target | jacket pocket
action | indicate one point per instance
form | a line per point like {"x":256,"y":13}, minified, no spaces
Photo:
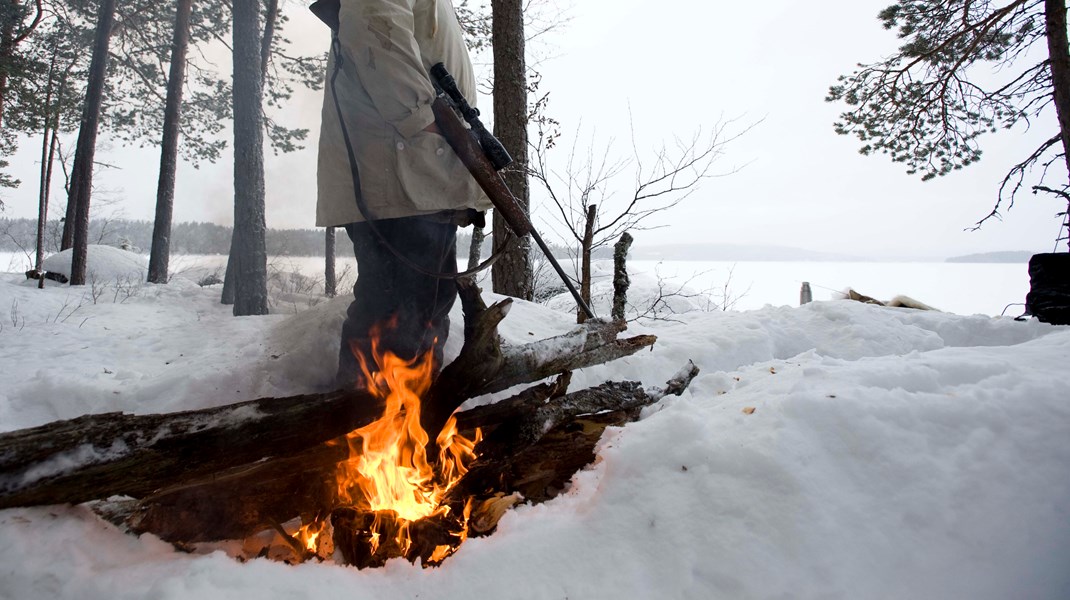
{"x":432,"y":175}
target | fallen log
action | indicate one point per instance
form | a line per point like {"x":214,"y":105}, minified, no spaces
{"x":98,"y":456}
{"x":485,"y":367}
{"x":536,"y":441}
{"x":531,"y":456}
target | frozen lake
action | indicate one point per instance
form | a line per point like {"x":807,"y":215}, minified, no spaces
{"x":960,"y":288}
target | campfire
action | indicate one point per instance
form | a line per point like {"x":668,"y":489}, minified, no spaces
{"x":390,"y":491}
{"x":350,"y":475}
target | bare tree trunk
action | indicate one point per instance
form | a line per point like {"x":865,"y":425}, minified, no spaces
{"x":47,"y":141}
{"x":67,"y":238}
{"x":585,"y":260}
{"x":249,"y":246}
{"x":229,"y":284}
{"x":620,"y":275}
{"x":1059,"y":53}
{"x":512,"y":275}
{"x":330,"y":279}
{"x":227,"y":295}
{"x":50,"y":160}
{"x":172,"y":120}
{"x":475,"y":250}
{"x":82,"y":178}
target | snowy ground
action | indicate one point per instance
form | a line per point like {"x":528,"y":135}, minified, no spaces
{"x":890,"y":454}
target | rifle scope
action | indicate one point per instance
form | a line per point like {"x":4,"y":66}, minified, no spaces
{"x":495,"y":151}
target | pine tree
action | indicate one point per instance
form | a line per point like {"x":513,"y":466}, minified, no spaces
{"x":249,"y":252}
{"x":512,"y":274}
{"x":965,"y":69}
{"x":165,"y":193}
{"x":82,"y":178}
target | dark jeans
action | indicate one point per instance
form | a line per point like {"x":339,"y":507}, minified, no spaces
{"x":415,"y":305}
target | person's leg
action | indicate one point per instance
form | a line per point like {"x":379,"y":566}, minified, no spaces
{"x":411,"y":308}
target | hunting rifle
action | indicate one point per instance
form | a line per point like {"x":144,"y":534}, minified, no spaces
{"x":484,"y":156}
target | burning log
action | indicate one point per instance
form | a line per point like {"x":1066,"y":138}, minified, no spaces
{"x":535,"y":442}
{"x":96,"y":456}
{"x":369,"y":539}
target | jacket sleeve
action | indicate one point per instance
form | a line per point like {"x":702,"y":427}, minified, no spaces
{"x":378,"y":37}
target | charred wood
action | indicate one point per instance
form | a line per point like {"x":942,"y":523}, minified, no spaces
{"x":535,"y":443}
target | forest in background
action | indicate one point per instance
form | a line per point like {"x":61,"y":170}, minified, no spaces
{"x":18,"y":235}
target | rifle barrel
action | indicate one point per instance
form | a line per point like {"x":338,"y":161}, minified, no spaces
{"x":561,"y":273}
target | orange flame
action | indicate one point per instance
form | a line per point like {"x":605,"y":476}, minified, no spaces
{"x":387,"y":469}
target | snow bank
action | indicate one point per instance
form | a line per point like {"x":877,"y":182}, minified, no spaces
{"x":890,"y":453}
{"x":103,"y":264}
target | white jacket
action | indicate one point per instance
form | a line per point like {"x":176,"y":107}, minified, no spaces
{"x":385,"y":93}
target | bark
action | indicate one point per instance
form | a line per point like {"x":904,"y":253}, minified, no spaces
{"x":159,"y":257}
{"x":43,"y":208}
{"x":50,"y":160}
{"x":249,"y":251}
{"x":1059,"y":54}
{"x":47,"y":142}
{"x":230,"y":277}
{"x":475,"y":250}
{"x":67,"y":239}
{"x":512,"y":274}
{"x":82,"y":172}
{"x":330,"y":278}
{"x":586,"y":245}
{"x":227,"y":294}
{"x":620,"y":275}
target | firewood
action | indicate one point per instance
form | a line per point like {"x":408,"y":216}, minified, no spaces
{"x":485,"y":366}
{"x":535,"y":442}
{"x":97,"y":456}
{"x":360,"y":547}
{"x":241,"y":501}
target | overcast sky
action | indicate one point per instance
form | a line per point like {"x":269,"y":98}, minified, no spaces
{"x":676,"y":66}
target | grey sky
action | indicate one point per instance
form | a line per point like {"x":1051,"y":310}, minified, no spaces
{"x":677,"y":65}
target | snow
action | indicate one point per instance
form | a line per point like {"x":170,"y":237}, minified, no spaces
{"x":86,"y":454}
{"x":105,"y":264}
{"x":890,"y":453}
